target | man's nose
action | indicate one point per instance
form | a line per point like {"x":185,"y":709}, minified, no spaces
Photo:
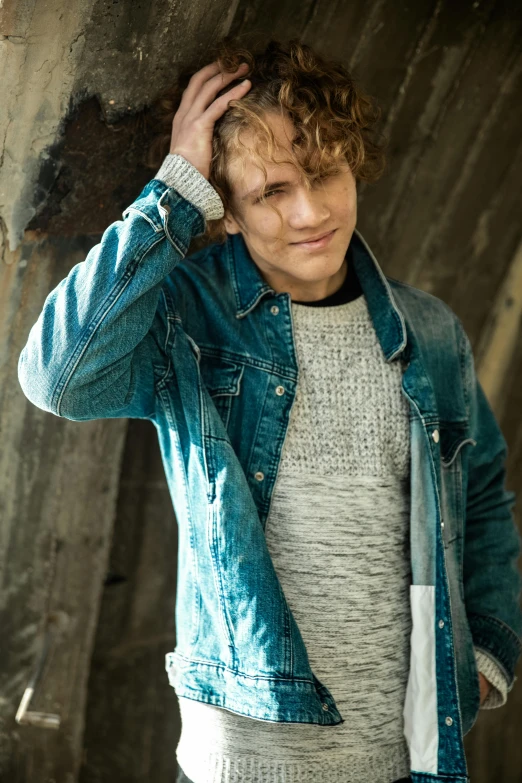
{"x":308,"y":209}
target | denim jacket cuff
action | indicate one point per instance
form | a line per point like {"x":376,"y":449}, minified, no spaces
{"x":493,"y":637}
{"x":166,"y":210}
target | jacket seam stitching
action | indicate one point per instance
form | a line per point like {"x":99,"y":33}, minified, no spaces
{"x":498,"y":622}
{"x":200,"y":662}
{"x":269,"y":367}
{"x":144,"y":215}
{"x":85,"y":338}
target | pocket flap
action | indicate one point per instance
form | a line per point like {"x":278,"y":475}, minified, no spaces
{"x":220,"y":376}
{"x":453,"y":435}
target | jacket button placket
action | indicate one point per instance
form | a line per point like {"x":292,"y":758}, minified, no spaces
{"x":278,"y":351}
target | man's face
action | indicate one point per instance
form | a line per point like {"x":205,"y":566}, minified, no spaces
{"x":306,"y":271}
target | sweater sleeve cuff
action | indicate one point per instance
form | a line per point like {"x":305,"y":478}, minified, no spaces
{"x":497,"y":695}
{"x":178,"y":173}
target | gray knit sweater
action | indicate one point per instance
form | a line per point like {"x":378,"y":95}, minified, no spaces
{"x":337,"y":533}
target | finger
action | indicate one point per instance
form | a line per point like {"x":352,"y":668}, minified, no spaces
{"x":220,"y":105}
{"x":197,"y":80}
{"x":211,"y":88}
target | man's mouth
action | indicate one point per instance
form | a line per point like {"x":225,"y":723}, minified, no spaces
{"x":320,"y":241}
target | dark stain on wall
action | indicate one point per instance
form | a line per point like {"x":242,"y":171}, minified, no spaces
{"x":93,"y":173}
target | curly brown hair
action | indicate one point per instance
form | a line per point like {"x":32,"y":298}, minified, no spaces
{"x":333,"y":118}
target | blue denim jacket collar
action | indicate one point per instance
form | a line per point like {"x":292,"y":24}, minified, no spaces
{"x":250,"y":287}
{"x":388,"y":321}
{"x":247,"y":282}
{"x":396,"y":336}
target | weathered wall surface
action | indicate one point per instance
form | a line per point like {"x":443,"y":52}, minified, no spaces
{"x":58,"y":487}
{"x":132,"y":713}
{"x":55,"y":54}
{"x":77,"y":79}
{"x":74,"y":78}
{"x":39,"y":50}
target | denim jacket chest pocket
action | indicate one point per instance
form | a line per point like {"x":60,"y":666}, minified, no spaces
{"x":222,"y":380}
{"x":455,"y":443}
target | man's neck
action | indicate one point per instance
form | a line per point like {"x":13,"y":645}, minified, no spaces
{"x":304,"y":291}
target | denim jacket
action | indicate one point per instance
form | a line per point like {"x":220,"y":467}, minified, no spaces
{"x":203,"y":347}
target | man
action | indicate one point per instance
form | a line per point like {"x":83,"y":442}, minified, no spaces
{"x":347,"y":553}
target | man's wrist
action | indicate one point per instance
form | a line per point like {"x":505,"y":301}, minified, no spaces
{"x":497,"y":695}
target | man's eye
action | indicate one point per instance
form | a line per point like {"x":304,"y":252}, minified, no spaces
{"x":318,"y":178}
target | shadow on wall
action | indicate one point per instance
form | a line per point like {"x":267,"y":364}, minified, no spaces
{"x":92,"y":173}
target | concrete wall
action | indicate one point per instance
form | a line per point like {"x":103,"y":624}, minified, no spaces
{"x":76,"y":79}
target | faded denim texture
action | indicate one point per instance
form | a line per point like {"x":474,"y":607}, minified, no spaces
{"x":193,"y":344}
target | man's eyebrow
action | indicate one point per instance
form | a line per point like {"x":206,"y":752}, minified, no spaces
{"x":267,"y":187}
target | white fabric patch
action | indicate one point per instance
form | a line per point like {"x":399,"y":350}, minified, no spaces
{"x":420,"y":707}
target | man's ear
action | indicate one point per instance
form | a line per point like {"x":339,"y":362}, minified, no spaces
{"x":231,"y":224}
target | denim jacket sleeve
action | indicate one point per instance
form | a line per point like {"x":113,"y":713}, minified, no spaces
{"x":99,"y":341}
{"x":492,"y":544}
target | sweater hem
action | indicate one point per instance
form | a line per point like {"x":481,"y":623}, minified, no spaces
{"x":380,"y":765}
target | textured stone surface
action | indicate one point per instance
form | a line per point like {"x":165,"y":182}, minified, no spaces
{"x":58,"y":487}
{"x":55,"y":55}
{"x":77,"y":79}
{"x":96,"y":169}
